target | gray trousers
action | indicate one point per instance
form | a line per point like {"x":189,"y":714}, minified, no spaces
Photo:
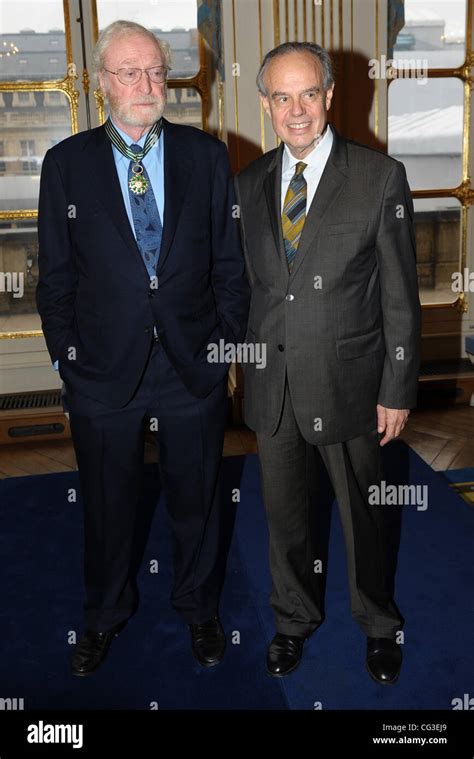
{"x":298,"y":512}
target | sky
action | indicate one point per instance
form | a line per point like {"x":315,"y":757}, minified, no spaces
{"x":42,"y":15}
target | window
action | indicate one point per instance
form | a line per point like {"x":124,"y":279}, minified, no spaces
{"x":29,"y":167}
{"x":426,"y":131}
{"x":32,"y":127}
{"x":18,"y":256}
{"x":31,"y":47}
{"x":438,"y":242}
{"x":434,"y":30}
{"x":28,"y":125}
{"x":27,"y":147}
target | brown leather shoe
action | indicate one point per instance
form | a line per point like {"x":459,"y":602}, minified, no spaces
{"x":208,"y":642}
{"x":92,"y":649}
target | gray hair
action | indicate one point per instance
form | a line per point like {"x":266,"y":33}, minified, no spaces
{"x":119,"y":29}
{"x":298,"y":47}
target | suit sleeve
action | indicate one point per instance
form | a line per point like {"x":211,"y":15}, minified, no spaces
{"x":229,"y":281}
{"x":56,"y":290}
{"x":401,"y":311}
{"x":248,"y":265}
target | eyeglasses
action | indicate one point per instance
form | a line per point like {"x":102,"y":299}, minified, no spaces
{"x":157,"y":75}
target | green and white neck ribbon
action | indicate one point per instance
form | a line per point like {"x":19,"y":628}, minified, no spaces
{"x":138,"y":183}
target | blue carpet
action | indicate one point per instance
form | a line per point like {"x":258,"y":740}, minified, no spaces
{"x":460,"y":475}
{"x":150,"y":664}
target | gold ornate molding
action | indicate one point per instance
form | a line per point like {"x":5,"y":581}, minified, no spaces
{"x":100,"y":104}
{"x":20,"y":335}
{"x":29,"y":213}
{"x":69,"y":88}
{"x":67,"y":29}
{"x":464,"y":72}
{"x":461,"y":304}
{"x":276,"y":22}
{"x":85,"y":82}
{"x":66,"y":86}
{"x":465,"y":193}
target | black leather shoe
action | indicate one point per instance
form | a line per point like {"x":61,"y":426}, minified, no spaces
{"x":284,"y":654}
{"x":208,"y":642}
{"x":92,"y":649}
{"x":384,"y":660}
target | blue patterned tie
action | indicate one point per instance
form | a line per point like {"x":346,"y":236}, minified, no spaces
{"x":146,"y":220}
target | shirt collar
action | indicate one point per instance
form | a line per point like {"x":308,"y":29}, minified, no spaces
{"x":319,"y":153}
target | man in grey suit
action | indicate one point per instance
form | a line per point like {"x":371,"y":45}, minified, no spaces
{"x":327,"y":226}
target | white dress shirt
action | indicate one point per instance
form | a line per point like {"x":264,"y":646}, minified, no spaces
{"x":316,"y":161}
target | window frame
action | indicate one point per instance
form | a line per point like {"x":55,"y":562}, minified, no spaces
{"x":464,"y":192}
{"x":67,"y":86}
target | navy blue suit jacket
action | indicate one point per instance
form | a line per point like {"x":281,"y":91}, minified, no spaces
{"x":94,"y":296}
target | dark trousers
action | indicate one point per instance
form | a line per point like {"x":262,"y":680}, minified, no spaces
{"x":299,"y":535}
{"x":109,"y":447}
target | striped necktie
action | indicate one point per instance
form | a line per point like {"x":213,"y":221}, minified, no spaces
{"x":294,"y":213}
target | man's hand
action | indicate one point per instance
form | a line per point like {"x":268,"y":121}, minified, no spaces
{"x":391,"y":421}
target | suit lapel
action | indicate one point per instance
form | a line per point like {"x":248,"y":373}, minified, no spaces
{"x":272,"y":189}
{"x":107,"y":187}
{"x":178,"y":169}
{"x":332,"y":181}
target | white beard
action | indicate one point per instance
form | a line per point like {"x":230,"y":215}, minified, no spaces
{"x":126,"y":115}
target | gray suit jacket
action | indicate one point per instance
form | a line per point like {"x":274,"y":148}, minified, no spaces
{"x":344,"y":327}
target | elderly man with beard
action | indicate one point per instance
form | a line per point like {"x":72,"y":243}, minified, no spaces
{"x":140,"y":270}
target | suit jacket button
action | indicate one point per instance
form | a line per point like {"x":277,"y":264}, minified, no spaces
{"x":280,"y":347}
{"x":289,"y":297}
{"x":147,"y":330}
